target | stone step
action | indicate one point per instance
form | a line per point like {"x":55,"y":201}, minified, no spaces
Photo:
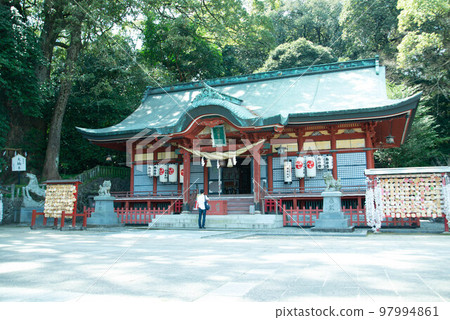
{"x":239,"y":207}
{"x":238,"y":221}
{"x":238,"y":212}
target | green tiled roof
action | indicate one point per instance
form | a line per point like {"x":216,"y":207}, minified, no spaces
{"x":324,"y":93}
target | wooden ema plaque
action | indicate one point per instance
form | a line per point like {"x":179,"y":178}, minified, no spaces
{"x":411,"y":196}
{"x":61,"y":195}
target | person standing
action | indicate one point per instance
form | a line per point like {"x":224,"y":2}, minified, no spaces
{"x":201,"y":201}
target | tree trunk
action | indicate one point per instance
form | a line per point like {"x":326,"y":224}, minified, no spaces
{"x":50,"y":33}
{"x":51,"y":163}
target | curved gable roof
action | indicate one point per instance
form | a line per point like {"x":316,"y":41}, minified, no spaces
{"x":332,"y":92}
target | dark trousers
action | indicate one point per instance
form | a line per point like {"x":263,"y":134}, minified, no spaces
{"x":201,"y":218}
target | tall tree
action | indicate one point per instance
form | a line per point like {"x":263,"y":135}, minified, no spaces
{"x":69,"y":27}
{"x":227,"y":38}
{"x":423,"y":58}
{"x":298,"y":53}
{"x":176,"y":44}
{"x":314,"y":20}
{"x":369,"y":27}
{"x":109,"y":89}
{"x":50,"y":170}
{"x":20,"y":99}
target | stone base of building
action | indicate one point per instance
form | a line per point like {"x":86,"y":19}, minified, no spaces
{"x":233,"y":221}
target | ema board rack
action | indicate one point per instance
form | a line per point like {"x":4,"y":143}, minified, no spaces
{"x":60,"y":202}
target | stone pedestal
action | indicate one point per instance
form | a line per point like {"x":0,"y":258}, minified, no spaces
{"x":332,"y":218}
{"x":104,"y":214}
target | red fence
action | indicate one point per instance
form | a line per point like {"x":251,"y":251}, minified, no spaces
{"x":138,"y":216}
{"x":356,"y":216}
{"x":88,"y":211}
{"x":62,"y":220}
{"x":307,"y":217}
{"x":300,"y":217}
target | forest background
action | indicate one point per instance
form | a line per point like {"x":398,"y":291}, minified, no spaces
{"x":87,"y":63}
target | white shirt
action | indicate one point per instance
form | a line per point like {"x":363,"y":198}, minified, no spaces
{"x":201,"y":198}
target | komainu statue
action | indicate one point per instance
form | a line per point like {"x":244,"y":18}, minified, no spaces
{"x":330,"y":183}
{"x":104,"y":189}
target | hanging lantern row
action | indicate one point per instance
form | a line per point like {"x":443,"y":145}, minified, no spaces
{"x":167,"y":173}
{"x":309,"y":165}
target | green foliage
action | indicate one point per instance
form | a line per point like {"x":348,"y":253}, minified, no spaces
{"x":423,"y":58}
{"x":109,"y":89}
{"x":297,"y":54}
{"x":206,"y":39}
{"x":187,"y":40}
{"x":19,"y":91}
{"x":177,"y":45}
{"x":18,"y":54}
{"x":369,"y":27}
{"x":314,"y":20}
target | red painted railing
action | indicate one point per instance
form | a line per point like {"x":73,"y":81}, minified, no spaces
{"x":62,"y":220}
{"x":357,"y":216}
{"x":88,"y":211}
{"x":138,"y":216}
{"x":300,"y":217}
{"x":271,"y":205}
{"x":400,"y":222}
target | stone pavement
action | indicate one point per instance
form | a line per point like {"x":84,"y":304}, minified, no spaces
{"x":221,"y":265}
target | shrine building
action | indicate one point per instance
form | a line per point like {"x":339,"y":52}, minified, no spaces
{"x":257,"y":143}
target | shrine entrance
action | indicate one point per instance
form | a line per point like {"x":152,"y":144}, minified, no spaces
{"x":233,"y":180}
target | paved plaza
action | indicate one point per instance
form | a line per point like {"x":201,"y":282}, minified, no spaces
{"x":217,"y":265}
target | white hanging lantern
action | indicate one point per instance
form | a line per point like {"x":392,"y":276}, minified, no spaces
{"x":163,"y":173}
{"x":320,"y":163}
{"x":310,"y":167}
{"x":300,"y":167}
{"x":287,"y":171}
{"x":173,"y":172}
{"x":181,"y":173}
{"x":329,"y":162}
{"x":150,"y":170}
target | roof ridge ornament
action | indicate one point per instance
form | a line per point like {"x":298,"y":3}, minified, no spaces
{"x":209,"y":92}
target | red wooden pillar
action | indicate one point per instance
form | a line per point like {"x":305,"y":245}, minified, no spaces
{"x":445,"y":216}
{"x":180,"y":185}
{"x":270,"y":173}
{"x":257,"y":179}
{"x":33,"y":218}
{"x":300,"y":142}
{"x":186,"y":180}
{"x":369,"y":148}
{"x":205,"y":179}
{"x":369,"y":131}
{"x":333,"y":131}
{"x":133,"y":152}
